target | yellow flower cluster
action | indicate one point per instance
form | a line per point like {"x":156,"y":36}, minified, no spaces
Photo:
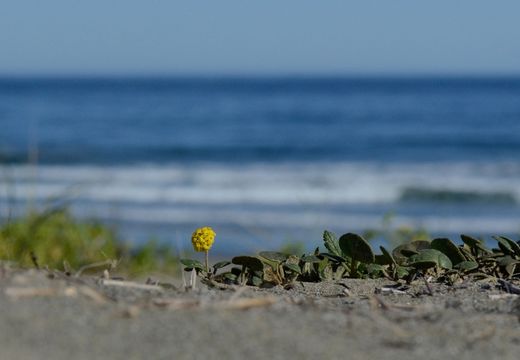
{"x":203,"y":238}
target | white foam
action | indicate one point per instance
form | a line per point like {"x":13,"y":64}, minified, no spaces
{"x":278,"y":184}
{"x":289,"y":196}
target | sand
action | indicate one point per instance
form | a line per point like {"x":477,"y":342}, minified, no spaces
{"x":50,"y":315}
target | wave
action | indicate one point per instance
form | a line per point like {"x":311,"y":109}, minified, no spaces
{"x":278,"y":184}
{"x":276,"y":199}
{"x":413,"y":194}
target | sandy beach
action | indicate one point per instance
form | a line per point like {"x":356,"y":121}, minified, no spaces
{"x":50,"y":315}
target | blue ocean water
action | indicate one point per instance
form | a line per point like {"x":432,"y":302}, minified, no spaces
{"x":265,"y":160}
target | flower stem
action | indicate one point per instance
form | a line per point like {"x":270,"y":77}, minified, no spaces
{"x":207,"y":261}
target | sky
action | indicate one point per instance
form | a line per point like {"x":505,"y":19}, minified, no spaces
{"x":137,"y":37}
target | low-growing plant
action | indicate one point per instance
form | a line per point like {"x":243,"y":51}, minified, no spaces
{"x":352,"y":256}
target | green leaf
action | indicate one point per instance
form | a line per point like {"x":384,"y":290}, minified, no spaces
{"x":236,"y":271}
{"x":331,"y":243}
{"x":470,"y":241}
{"x":504,"y":245}
{"x":257,"y":281}
{"x":447,"y":247}
{"x":250,"y":262}
{"x":325,"y":271}
{"x":468,"y":256}
{"x":421,"y":244}
{"x":404,"y":251}
{"x":381,"y":260}
{"x":473,"y":243}
{"x":335,"y":258}
{"x":513,"y":245}
{"x":293,"y":267}
{"x":402,"y":271}
{"x":311,"y":259}
{"x":375,"y":270}
{"x":230,"y":276}
{"x":506,"y":261}
{"x":508,"y":264}
{"x":357,"y":248}
{"x":273,"y":256}
{"x":193,"y":264}
{"x":429,"y":258}
{"x":389,"y":260}
{"x":221,"y":264}
{"x":466,"y":266}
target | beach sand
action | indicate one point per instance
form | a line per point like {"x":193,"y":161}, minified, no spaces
{"x":50,"y":315}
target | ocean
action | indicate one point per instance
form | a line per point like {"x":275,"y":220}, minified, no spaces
{"x":264,"y":160}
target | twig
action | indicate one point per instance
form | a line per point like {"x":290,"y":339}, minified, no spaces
{"x":428,"y":287}
{"x":508,"y":287}
{"x":34,"y":260}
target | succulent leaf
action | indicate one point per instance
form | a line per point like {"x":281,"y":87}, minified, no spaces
{"x":357,"y":248}
{"x":429,"y":258}
{"x":251,"y":262}
{"x":447,"y":247}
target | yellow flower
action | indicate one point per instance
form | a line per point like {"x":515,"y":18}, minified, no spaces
{"x":203,"y":238}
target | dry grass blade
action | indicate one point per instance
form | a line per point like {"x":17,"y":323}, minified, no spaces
{"x":377,"y":303}
{"x":92,"y":294}
{"x":28,"y":292}
{"x":176,"y":304}
{"x":215,"y":284}
{"x":111,"y":263}
{"x":193,"y":279}
{"x":385,"y":290}
{"x":237,"y":304}
{"x":243,"y":304}
{"x":400,"y":337}
{"x":130,"y":284}
{"x":481,"y":335}
{"x":16,"y":293}
{"x":502,"y":296}
{"x":239,"y":291}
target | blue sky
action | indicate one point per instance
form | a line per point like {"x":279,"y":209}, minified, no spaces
{"x":260,"y":37}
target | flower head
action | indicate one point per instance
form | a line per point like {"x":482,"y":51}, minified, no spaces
{"x":203,"y":238}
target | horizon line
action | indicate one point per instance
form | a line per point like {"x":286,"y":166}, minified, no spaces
{"x":258,"y":75}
